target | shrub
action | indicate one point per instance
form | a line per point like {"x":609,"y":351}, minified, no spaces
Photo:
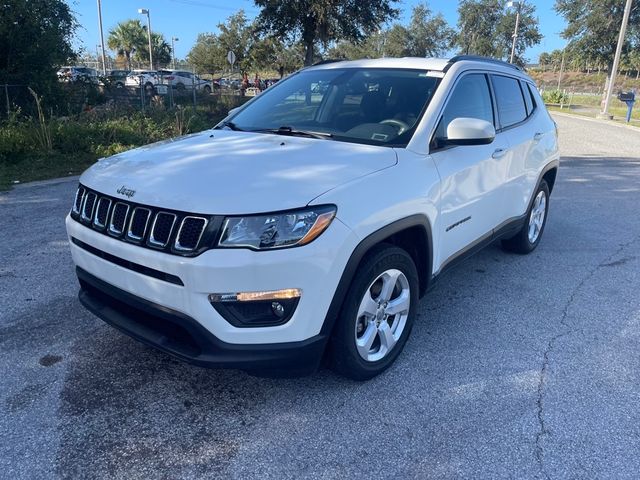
{"x":555,"y":96}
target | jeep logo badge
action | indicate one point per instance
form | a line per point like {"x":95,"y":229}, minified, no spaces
{"x":127,"y":192}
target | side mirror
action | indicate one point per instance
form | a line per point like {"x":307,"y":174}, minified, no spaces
{"x":470,"y":131}
{"x":232,"y":111}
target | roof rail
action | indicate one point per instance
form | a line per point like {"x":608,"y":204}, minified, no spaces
{"x":479,"y":58}
{"x":328,"y":60}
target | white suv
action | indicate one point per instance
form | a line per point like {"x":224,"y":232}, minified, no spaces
{"x":182,"y":80}
{"x":310,"y":221}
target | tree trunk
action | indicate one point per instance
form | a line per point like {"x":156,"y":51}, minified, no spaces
{"x":308,"y":52}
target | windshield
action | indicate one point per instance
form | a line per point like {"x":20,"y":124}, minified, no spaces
{"x":374,"y":106}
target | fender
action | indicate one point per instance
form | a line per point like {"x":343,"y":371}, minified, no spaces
{"x":361,"y":250}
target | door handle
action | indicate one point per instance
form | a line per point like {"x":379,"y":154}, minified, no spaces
{"x":499,"y":152}
{"x":538,"y":136}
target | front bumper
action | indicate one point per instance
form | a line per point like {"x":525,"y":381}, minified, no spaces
{"x":316,"y":269}
{"x":184,"y":338}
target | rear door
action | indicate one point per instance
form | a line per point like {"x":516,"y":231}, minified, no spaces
{"x":471,"y":176}
{"x":516,"y":119}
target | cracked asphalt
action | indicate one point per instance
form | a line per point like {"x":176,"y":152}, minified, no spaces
{"x":518,"y":366}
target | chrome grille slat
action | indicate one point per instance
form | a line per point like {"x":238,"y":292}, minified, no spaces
{"x":102,"y":212}
{"x":186,"y":238}
{"x":88,"y":205}
{"x":137,"y":229}
{"x":118,"y":218}
{"x":162,"y":228}
{"x":77,"y":203}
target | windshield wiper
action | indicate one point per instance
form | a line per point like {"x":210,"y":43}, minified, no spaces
{"x":230,"y":125}
{"x":286,"y":130}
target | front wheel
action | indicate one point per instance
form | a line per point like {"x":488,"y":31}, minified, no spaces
{"x":527,"y":239}
{"x":377,"y":314}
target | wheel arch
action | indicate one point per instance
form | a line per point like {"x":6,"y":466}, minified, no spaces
{"x":550,"y":176}
{"x":412,"y":233}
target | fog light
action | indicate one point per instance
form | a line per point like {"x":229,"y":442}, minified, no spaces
{"x":278,"y":309}
{"x":257,"y":309}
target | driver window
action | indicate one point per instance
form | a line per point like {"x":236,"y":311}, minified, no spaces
{"x":470,"y":98}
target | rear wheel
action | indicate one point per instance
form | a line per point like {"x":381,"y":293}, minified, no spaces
{"x":377,"y":314}
{"x":527,"y":239}
{"x":207,"y":89}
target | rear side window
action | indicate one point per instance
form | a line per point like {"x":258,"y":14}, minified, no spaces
{"x":470,"y":98}
{"x":511,"y":106}
{"x":528,"y":99}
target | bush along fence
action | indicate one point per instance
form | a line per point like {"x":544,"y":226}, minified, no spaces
{"x":44,"y":139}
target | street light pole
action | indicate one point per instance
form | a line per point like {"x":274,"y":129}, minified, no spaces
{"x":104,"y":63}
{"x":518,"y":5}
{"x":145,"y":11}
{"x":173,"y":51}
{"x":616,"y":60}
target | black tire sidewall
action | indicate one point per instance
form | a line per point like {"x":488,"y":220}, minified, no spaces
{"x":343,"y":352}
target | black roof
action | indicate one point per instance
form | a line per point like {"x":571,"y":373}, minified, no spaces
{"x":479,"y":58}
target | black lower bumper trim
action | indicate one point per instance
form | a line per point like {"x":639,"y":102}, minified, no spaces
{"x":184,"y":338}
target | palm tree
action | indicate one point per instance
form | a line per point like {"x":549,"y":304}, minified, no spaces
{"x":161,"y":50}
{"x":126,"y":38}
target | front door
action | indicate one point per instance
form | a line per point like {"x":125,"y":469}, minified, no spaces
{"x":472,"y":176}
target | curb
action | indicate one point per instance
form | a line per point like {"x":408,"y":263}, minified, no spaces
{"x":596,"y":120}
{"x":41,"y":183}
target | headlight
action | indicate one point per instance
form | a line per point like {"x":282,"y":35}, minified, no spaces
{"x":287,"y":229}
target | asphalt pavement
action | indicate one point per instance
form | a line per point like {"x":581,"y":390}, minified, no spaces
{"x":517,"y":367}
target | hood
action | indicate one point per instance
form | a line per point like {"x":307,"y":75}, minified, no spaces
{"x":227,"y":172}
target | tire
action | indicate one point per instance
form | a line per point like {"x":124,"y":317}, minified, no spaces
{"x":180,"y":87}
{"x":119,"y":85}
{"x":380,"y":266}
{"x":207,"y":90}
{"x":536,"y":219}
{"x":149,"y":88}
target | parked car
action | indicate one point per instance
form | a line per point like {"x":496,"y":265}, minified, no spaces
{"x":309,"y":222}
{"x":117,"y":78}
{"x":182,"y":80}
{"x":230,"y":83}
{"x":77,"y":75}
{"x":148,"y":78}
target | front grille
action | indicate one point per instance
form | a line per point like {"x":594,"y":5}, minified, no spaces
{"x":178,"y":233}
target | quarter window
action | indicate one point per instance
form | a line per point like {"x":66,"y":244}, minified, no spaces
{"x":511,"y":106}
{"x":528,"y":100}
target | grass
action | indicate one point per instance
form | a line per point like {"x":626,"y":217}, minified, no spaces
{"x":34,"y":167}
{"x":74,"y":143}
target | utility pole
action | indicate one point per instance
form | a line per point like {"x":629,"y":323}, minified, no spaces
{"x":104,"y":62}
{"x":145,"y":11}
{"x":561,"y":67}
{"x":518,"y":5}
{"x":616,"y":61}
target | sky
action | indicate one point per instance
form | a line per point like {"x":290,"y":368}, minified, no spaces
{"x":185,"y":19}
